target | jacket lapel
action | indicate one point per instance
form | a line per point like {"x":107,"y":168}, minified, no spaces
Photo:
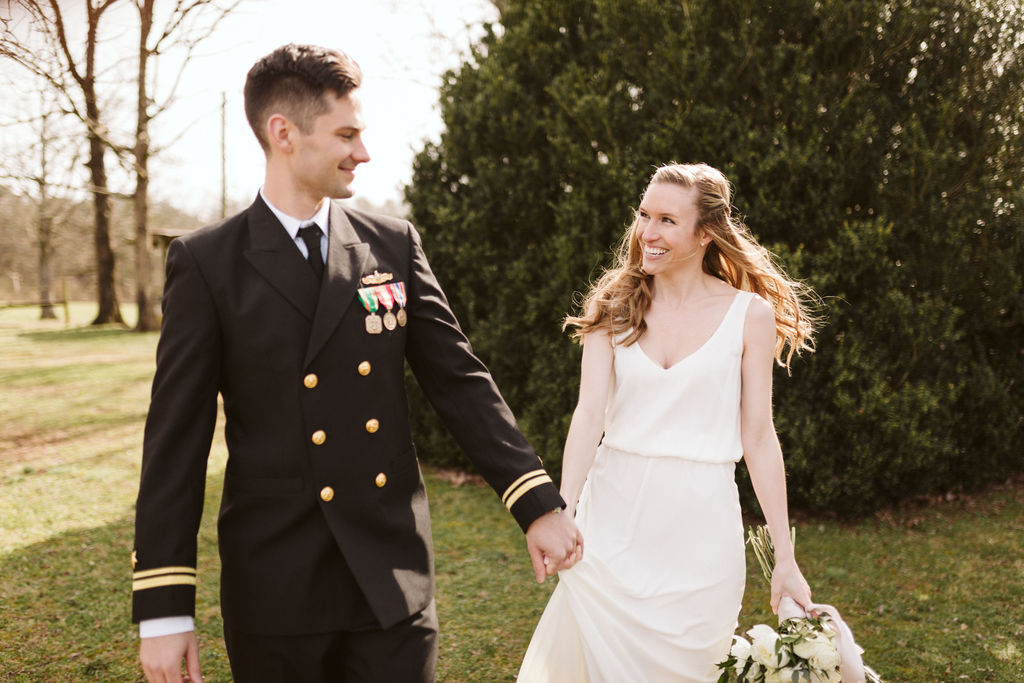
{"x":346,"y":256}
{"x":278,"y":260}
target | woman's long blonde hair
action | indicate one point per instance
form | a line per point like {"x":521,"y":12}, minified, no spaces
{"x":618,"y":300}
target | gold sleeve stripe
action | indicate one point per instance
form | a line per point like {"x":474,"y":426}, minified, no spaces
{"x":533,"y":483}
{"x":158,"y":581}
{"x":517,"y":482}
{"x":164,"y":570}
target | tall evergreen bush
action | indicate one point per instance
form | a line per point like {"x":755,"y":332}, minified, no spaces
{"x":875,"y":146}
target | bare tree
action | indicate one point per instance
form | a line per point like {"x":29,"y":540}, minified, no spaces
{"x":74,"y":78}
{"x":185,"y":27}
{"x":43,"y":169}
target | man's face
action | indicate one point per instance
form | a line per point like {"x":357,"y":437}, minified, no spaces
{"x":325,"y":159}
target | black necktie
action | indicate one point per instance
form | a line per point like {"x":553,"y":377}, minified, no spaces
{"x":311,"y":236}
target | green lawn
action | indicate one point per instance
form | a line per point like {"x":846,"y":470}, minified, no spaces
{"x":932,"y":592}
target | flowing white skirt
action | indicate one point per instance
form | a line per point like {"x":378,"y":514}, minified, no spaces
{"x":658,"y":592}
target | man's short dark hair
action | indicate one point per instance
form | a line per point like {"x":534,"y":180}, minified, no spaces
{"x":292,"y":80}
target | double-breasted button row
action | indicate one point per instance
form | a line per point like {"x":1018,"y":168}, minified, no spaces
{"x":320,"y":436}
{"x":327,"y":492}
{"x":311,"y":380}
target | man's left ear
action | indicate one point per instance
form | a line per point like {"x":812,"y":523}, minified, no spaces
{"x":279,"y":132}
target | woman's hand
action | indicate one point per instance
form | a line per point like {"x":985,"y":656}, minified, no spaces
{"x":788,"y":581}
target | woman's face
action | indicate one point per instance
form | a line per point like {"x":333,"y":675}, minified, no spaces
{"x":666,"y":227}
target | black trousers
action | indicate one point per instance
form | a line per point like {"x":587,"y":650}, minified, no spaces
{"x":404,"y":653}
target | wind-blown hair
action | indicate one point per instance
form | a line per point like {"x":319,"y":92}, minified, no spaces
{"x":293,"y":80}
{"x":619,"y":299}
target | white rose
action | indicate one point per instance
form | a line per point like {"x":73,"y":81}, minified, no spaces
{"x":831,"y":676}
{"x":826,"y":661}
{"x":762,"y":647}
{"x":741,"y":651}
{"x":740,"y":648}
{"x":783,"y":675}
{"x":812,"y":647}
{"x":823,"y":655}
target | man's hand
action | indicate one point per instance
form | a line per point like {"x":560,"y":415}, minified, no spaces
{"x":161,"y":658}
{"x":554,"y":543}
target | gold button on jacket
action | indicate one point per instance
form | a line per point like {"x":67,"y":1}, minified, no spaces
{"x":364,"y":368}
{"x":372,"y":425}
{"x":327,"y":494}
{"x":319,"y":436}
{"x":310,"y":381}
{"x":381,"y":480}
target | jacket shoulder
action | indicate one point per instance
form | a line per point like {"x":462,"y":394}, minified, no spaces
{"x":377,"y":222}
{"x":215,"y":231}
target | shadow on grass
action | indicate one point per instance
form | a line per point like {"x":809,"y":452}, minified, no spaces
{"x":65,"y":605}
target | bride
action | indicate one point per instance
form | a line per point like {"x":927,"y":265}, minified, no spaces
{"x":679,"y":342}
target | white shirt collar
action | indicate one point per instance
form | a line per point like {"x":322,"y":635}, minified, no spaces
{"x":292,"y":224}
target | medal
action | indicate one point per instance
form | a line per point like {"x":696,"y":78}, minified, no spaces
{"x":373,"y":324}
{"x":398,"y":290}
{"x":369,"y":300}
{"x":387,"y":300}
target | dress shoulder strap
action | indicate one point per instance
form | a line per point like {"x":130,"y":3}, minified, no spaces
{"x":737,"y":316}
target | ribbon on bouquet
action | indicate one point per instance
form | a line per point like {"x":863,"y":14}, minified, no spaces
{"x":851,"y":666}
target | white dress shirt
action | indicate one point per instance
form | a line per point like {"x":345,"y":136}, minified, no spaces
{"x":292,"y":224}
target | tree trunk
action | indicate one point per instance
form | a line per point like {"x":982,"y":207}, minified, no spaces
{"x":44,"y":231}
{"x":106,"y":282}
{"x":44,"y":224}
{"x":149,"y":318}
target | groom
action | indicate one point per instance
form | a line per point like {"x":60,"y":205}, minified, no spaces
{"x":301,"y":313}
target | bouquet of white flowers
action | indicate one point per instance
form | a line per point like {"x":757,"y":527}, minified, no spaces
{"x":804,"y":649}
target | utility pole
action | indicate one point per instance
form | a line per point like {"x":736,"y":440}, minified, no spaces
{"x":223,"y":155}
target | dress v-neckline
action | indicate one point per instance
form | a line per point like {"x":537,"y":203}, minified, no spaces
{"x":700,"y":348}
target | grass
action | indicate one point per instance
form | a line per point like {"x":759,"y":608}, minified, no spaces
{"x":932,"y":590}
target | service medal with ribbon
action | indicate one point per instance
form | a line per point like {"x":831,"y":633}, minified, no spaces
{"x":387,"y":300}
{"x":398,"y":290}
{"x":369,"y":300}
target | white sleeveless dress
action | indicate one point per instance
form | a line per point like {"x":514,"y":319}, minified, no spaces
{"x":657,"y":594}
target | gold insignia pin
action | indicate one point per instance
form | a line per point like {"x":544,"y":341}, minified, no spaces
{"x":377,"y":278}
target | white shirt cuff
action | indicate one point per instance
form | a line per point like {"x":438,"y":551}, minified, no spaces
{"x":165,"y":626}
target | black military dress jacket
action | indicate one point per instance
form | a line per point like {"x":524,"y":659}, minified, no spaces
{"x":322,"y":491}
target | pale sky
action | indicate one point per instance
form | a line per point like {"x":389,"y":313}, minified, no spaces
{"x":402,"y":46}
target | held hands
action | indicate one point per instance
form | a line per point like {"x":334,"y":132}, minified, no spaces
{"x":788,"y":581}
{"x":554,"y":543}
{"x":161,"y":658}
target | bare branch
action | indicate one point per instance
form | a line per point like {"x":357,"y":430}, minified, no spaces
{"x":190,"y":44}
{"x":58,"y":26}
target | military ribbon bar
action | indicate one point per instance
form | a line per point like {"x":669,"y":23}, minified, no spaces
{"x":398,"y":291}
{"x":384,"y":296}
{"x":387,"y":300}
{"x":368,"y":297}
